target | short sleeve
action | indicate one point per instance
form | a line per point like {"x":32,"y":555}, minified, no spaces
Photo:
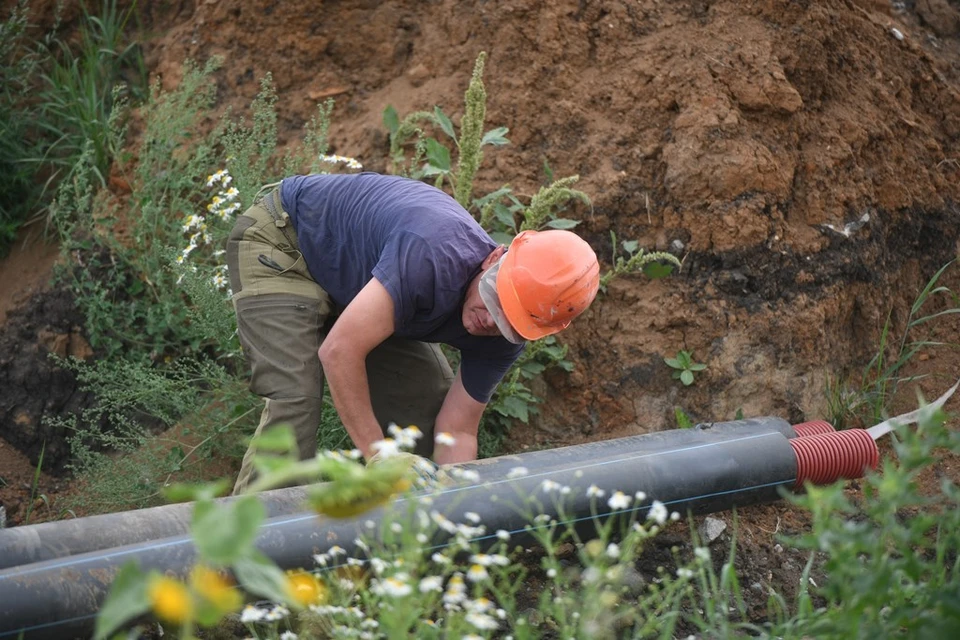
{"x":407,"y":270}
{"x":483,"y":363}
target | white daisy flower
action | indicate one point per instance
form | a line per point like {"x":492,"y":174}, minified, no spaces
{"x":386,"y":447}
{"x":252,"y":614}
{"x":549,"y":486}
{"x":445,"y":438}
{"x":619,"y":500}
{"x":394,"y":586}
{"x":481,"y":621}
{"x":477,"y":573}
{"x":431,"y":583}
{"x":658,"y":512}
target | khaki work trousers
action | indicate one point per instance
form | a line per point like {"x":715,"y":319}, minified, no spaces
{"x":282,"y":314}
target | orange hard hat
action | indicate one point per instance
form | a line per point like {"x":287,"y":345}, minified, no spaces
{"x":547,"y":279}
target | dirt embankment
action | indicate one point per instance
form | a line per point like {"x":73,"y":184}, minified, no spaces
{"x":799,"y":156}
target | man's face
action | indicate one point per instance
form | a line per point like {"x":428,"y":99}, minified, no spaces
{"x":476,"y":319}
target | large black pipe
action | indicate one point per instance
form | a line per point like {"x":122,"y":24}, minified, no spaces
{"x":45,"y":541}
{"x":701,"y":471}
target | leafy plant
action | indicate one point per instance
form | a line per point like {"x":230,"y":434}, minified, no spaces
{"x":638,"y":260}
{"x":513,"y":398}
{"x":684,"y":367}
{"x":891,"y":561}
{"x":438,"y":163}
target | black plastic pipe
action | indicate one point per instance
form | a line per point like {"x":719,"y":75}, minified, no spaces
{"x":48,"y":540}
{"x":702,"y":471}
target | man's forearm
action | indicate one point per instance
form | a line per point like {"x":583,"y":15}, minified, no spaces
{"x":463,"y":449}
{"x":347,"y":377}
{"x":460,"y":417}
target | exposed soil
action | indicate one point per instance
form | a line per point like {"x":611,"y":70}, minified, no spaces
{"x":800,"y":157}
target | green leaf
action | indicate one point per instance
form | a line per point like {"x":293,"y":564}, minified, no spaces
{"x":261,"y":577}
{"x":430,"y":170}
{"x":673,"y":362}
{"x":126,"y":600}
{"x":630,"y":246}
{"x":686,"y":377}
{"x":266,"y":465}
{"x":280,"y":439}
{"x":224,"y":533}
{"x":517,"y":408}
{"x":656,"y":270}
{"x":493,"y":195}
{"x":504,"y":216}
{"x":438,"y":156}
{"x":495,"y":137}
{"x":531,"y":369}
{"x":562,"y":223}
{"x":182,"y":492}
{"x":444,"y":122}
{"x":390,"y":119}
{"x":697,"y":366}
{"x":683,"y":420}
{"x":501,"y":238}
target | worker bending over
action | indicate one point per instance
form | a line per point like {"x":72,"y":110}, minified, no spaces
{"x":358,"y":278}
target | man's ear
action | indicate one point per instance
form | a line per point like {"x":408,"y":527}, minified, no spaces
{"x":491,"y":259}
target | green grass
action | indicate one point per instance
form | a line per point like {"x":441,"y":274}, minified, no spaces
{"x":60,"y":98}
{"x":865,"y":400}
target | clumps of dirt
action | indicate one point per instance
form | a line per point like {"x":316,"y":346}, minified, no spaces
{"x":35,"y":386}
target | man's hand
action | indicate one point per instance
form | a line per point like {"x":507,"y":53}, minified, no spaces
{"x":365,"y":323}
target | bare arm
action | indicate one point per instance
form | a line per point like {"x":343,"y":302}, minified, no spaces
{"x":365,"y":323}
{"x":460,"y":417}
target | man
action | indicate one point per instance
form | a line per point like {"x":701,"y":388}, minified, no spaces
{"x":402,"y":267}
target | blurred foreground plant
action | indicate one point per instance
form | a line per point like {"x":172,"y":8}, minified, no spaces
{"x":397,"y":583}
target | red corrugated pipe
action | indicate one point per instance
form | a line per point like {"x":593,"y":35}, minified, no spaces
{"x":813,"y":428}
{"x":827,"y":457}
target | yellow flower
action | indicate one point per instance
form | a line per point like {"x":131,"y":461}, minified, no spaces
{"x":305,"y":588}
{"x":170,"y":599}
{"x":215,"y":589}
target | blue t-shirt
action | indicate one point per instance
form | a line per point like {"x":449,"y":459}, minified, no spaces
{"x":417,"y":241}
